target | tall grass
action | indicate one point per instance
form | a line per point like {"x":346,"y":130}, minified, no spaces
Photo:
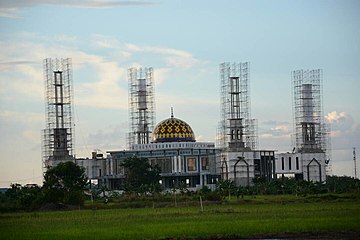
{"x":147,"y":223}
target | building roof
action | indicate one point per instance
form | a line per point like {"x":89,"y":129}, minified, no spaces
{"x":173,"y":130}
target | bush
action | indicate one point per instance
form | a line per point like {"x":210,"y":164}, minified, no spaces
{"x":21,"y":198}
{"x":213,"y":196}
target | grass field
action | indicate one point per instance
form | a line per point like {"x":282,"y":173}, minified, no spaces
{"x":228,"y":221}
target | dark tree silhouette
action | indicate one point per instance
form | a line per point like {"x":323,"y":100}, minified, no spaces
{"x":140,"y":176}
{"x":65,"y":183}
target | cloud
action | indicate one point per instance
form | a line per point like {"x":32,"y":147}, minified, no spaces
{"x":65,"y":39}
{"x":100,"y":86}
{"x":160,"y":75}
{"x":101,"y":89}
{"x":274,"y":122}
{"x":106,"y":139}
{"x":8,"y":12}
{"x":21,"y":117}
{"x":341,"y":123}
{"x":345,"y":132}
{"x":280,"y":128}
{"x":106,"y":91}
{"x":333,"y":117}
{"x":274,"y":129}
{"x":105,"y":82}
{"x":173,"y":57}
{"x":20,"y":128}
{"x":281,"y":143}
{"x":275,"y":135}
{"x":107,"y":136}
{"x":4,"y":65}
{"x":165,"y":101}
{"x":112,"y":44}
{"x":11,"y":8}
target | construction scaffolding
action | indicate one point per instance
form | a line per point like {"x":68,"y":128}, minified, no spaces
{"x":327,"y":148}
{"x":141,"y":105}
{"x":57,"y":137}
{"x":311,"y":133}
{"x":237,"y":131}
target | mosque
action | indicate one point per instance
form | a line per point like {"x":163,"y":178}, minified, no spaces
{"x":171,"y":143}
{"x":182,"y":160}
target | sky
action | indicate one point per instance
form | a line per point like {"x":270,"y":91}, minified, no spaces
{"x":184,"y":41}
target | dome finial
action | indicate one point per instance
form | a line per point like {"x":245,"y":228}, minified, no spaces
{"x":172,"y":112}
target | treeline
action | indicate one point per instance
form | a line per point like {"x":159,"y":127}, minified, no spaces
{"x":29,"y":198}
{"x":63,"y":185}
{"x":333,"y":184}
{"x":66,"y":185}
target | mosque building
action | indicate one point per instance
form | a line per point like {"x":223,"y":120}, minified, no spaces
{"x":174,"y":149}
{"x":171,"y":144}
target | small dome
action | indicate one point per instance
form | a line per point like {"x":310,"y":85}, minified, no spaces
{"x":173,"y":130}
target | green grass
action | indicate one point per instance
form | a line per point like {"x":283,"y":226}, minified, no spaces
{"x":240,"y":220}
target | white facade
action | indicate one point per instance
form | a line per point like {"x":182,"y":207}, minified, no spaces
{"x":243,"y":166}
{"x":305,"y":166}
{"x":94,"y":167}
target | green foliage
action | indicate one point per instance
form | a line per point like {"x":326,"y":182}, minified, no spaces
{"x":31,"y":197}
{"x":205,"y":190}
{"x":342,"y":184}
{"x":27,"y":197}
{"x":226,"y":188}
{"x":140,"y":176}
{"x":65,"y":183}
{"x":292,"y":186}
{"x":212,"y":196}
{"x":282,"y":186}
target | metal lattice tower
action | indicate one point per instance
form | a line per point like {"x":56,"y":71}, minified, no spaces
{"x":311,"y":133}
{"x":57,"y":137}
{"x":141,"y":105}
{"x":237,"y":130}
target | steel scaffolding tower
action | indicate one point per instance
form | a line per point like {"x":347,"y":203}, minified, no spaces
{"x":311,"y":132}
{"x":57,"y":137}
{"x":141,"y":105}
{"x":237,"y":131}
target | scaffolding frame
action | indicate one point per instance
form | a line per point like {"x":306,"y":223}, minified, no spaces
{"x":235,"y":114}
{"x":141,"y":105}
{"x":58,"y":135}
{"x":310,"y":131}
{"x":327,"y":148}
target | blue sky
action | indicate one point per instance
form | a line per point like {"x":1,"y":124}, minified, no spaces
{"x":184,"y":41}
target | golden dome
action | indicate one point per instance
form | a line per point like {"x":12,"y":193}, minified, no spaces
{"x":173,"y":130}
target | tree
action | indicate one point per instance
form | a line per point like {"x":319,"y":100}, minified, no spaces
{"x":342,"y":184}
{"x":140,"y":176}
{"x":226,"y":188}
{"x":27,"y":197}
{"x":65,"y":183}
